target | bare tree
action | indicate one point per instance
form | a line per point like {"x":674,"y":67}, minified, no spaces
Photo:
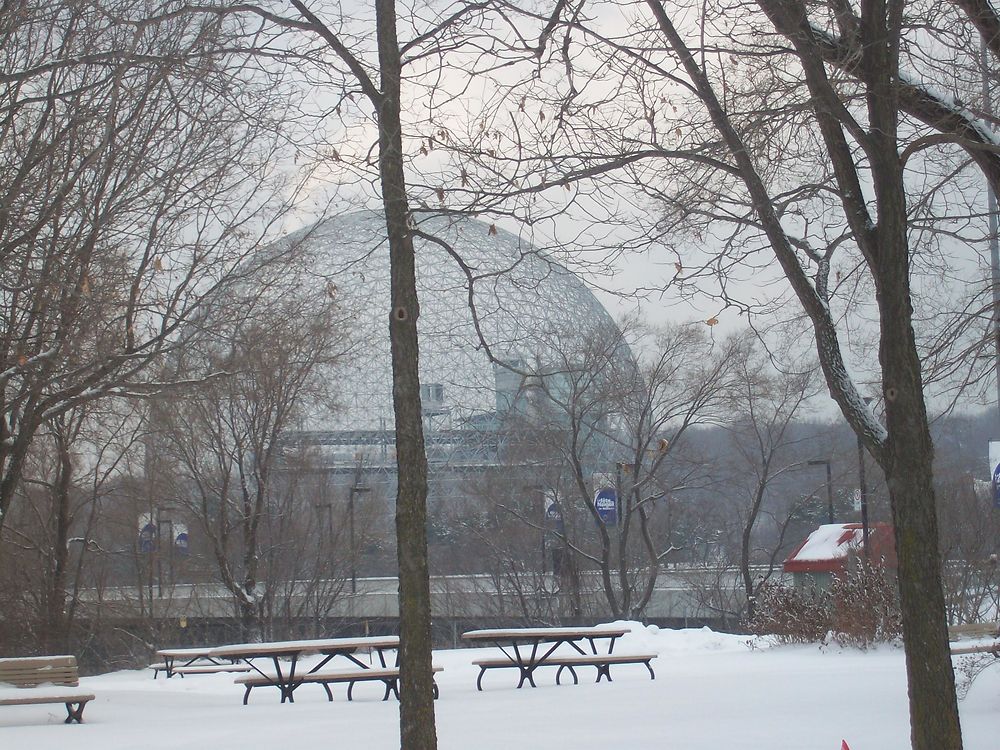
{"x":136,"y":162}
{"x":968,"y":548}
{"x":903,"y":448}
{"x":794,"y":123}
{"x":52,"y":537}
{"x":763,"y":440}
{"x":224,"y":438}
{"x":605,"y":421}
{"x":354,"y":62}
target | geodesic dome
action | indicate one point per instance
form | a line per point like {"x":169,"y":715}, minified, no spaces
{"x":531,"y":311}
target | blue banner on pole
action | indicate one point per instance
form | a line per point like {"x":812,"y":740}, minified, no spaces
{"x":994,"y":454}
{"x":606,"y":505}
{"x":147,"y":538}
{"x":996,"y":487}
{"x":553,"y":511}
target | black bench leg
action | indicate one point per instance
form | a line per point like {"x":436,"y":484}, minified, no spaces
{"x":526,"y":675}
{"x":75,"y":714}
{"x":651,"y":675}
{"x":391,"y":688}
{"x":350,"y":690}
{"x":479,"y":681}
{"x":572,"y":671}
{"x":434,"y":690}
{"x":604,"y":670}
{"x":246,"y":695}
{"x":329,"y":693}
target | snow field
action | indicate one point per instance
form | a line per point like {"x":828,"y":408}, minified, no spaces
{"x":712,"y":692}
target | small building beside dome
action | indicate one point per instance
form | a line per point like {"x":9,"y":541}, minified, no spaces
{"x":833,"y":548}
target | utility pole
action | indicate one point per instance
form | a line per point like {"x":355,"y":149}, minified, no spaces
{"x":356,"y":489}
{"x":829,"y":485}
{"x":991,"y":205}
{"x":863,"y":489}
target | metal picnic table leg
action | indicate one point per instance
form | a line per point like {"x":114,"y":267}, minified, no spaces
{"x":287,"y":687}
{"x":526,"y":675}
{"x":528,"y":669}
{"x":572,"y":671}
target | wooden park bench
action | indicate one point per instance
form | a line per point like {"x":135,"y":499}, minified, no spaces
{"x":43,"y":679}
{"x":602,"y":662}
{"x":389,"y":676}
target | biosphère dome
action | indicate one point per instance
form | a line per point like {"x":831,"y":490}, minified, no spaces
{"x":531,"y":310}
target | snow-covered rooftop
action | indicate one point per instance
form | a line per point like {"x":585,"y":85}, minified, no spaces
{"x":827,"y":549}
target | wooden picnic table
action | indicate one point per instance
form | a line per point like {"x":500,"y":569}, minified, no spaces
{"x":523,"y":650}
{"x":193,"y":661}
{"x":284,"y":676}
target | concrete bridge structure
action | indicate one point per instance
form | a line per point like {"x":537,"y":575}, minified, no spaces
{"x":682,"y":597}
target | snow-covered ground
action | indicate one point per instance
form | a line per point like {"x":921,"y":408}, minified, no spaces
{"x":712,"y":692}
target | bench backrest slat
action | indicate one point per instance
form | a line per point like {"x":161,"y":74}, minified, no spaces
{"x":40,"y":670}
{"x":973,"y":630}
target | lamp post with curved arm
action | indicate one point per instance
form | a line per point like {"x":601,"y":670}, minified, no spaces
{"x":829,"y":484}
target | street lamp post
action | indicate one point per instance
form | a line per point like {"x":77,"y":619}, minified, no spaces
{"x":863,"y":489}
{"x":991,"y":205}
{"x":829,"y":485}
{"x":864,"y":496}
{"x":324,"y":512}
{"x":355,"y":490}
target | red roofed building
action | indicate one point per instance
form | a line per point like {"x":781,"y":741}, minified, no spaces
{"x":830,"y":549}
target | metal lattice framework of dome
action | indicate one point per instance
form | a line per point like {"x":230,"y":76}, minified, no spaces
{"x":531,"y":310}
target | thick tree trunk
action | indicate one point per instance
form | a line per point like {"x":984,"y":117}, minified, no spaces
{"x":56,"y":623}
{"x":416,"y":711}
{"x":13,"y":453}
{"x":251,"y":621}
{"x":907,"y":464}
{"x":908,"y":452}
{"x":745,"y":539}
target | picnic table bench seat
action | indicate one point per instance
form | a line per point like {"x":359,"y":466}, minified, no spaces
{"x":389,"y":676}
{"x":198,"y":669}
{"x":973,"y":630}
{"x":981,"y":648}
{"x":43,"y":679}
{"x":602,"y":662}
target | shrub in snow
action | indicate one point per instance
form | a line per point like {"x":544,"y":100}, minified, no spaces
{"x":859,"y":609}
{"x":968,"y":668}
{"x":790,"y":615}
{"x":864,"y":606}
